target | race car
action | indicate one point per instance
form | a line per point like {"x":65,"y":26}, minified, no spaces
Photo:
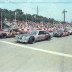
{"x":6,"y":34}
{"x":68,"y":29}
{"x":2,"y":35}
{"x":65,"y":34}
{"x":33,"y":36}
{"x":61,"y":33}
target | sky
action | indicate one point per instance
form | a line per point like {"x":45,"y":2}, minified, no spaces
{"x":46,"y":8}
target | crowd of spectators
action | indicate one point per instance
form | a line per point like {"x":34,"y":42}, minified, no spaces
{"x":23,"y":26}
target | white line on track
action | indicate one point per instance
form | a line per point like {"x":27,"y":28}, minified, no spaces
{"x":37,"y":49}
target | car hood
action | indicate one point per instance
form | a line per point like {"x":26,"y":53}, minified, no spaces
{"x":24,"y":35}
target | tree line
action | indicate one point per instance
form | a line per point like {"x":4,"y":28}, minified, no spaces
{"x":21,"y":16}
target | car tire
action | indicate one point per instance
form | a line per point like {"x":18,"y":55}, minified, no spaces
{"x":4,"y":35}
{"x":48,"y":37}
{"x":31,"y":40}
{"x":71,"y":33}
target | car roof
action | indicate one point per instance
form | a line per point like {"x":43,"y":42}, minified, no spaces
{"x":39,"y":30}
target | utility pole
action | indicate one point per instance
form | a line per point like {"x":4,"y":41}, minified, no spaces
{"x":1,"y":19}
{"x":26,"y":18}
{"x":15,"y":17}
{"x":64,"y":12}
{"x":37,"y":10}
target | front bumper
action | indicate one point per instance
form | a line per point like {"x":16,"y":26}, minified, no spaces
{"x":20,"y":40}
{"x":57,"y":35}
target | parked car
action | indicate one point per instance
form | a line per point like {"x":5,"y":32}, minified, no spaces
{"x":58,"y":33}
{"x":65,"y":33}
{"x":5,"y":33}
{"x":61,"y":33}
{"x":2,"y":35}
{"x":33,"y":36}
{"x":68,"y":29}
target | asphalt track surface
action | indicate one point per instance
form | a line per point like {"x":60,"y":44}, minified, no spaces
{"x":45,"y":56}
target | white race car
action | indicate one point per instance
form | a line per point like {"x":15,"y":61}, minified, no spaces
{"x":33,"y":36}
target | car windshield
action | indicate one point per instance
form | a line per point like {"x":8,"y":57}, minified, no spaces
{"x":34,"y":32}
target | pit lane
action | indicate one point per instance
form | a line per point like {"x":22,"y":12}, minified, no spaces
{"x":19,"y":59}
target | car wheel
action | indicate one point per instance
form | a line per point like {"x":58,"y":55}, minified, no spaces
{"x":31,"y":40}
{"x":71,"y":33}
{"x":4,"y":35}
{"x":48,"y":37}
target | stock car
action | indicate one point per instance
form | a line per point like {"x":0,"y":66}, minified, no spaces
{"x":68,"y":29}
{"x":2,"y":34}
{"x":33,"y":36}
{"x":61,"y":33}
{"x":6,"y":34}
